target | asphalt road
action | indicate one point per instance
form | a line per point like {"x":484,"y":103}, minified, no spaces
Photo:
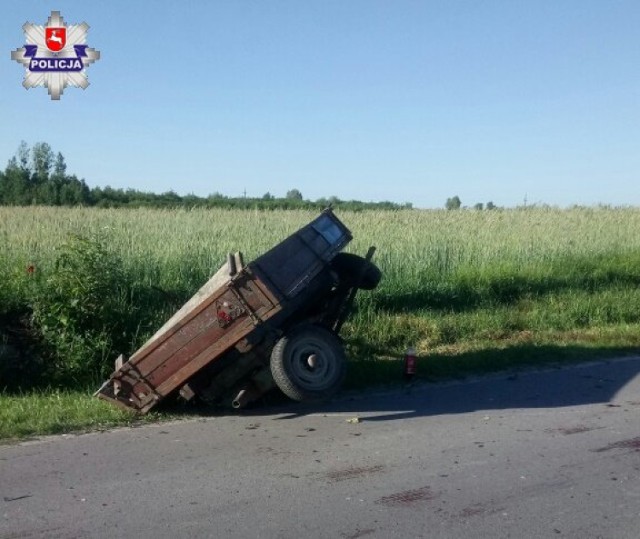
{"x":540,"y":454}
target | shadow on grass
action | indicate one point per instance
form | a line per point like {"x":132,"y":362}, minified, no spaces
{"x":440,"y":366}
{"x":467,"y":295}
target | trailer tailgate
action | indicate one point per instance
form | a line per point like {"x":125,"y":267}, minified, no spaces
{"x":223,"y":312}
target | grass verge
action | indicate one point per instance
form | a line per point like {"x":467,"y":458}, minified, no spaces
{"x":56,"y":411}
{"x":521,"y":350}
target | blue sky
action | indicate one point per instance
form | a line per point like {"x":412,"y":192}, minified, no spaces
{"x":375,"y":100}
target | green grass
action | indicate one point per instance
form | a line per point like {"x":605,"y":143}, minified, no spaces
{"x":54,"y":411}
{"x":472,"y":291}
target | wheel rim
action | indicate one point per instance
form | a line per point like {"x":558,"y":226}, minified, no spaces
{"x":312,"y":364}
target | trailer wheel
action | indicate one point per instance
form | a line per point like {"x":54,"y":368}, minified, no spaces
{"x":349,"y":267}
{"x":308,"y":363}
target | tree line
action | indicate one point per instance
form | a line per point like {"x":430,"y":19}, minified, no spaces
{"x":38,"y":176}
{"x":454,"y":203}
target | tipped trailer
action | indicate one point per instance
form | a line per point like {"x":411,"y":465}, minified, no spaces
{"x":272,"y":322}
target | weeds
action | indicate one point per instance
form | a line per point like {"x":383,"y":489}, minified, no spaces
{"x":81,"y":310}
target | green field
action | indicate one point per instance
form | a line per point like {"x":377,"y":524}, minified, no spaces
{"x":472,"y":290}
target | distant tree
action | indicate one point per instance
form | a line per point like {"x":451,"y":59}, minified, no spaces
{"x":268,"y":196}
{"x":453,"y":203}
{"x":59,"y":166}
{"x":479,"y":206}
{"x":12,"y":163}
{"x":17,"y":178}
{"x":42,"y":161}
{"x":3,"y":188}
{"x":190,"y":201}
{"x":74,"y":192}
{"x":49,"y":192}
{"x":23,"y":155}
{"x":491,"y":206}
{"x":294,"y":194}
{"x":68,"y":195}
{"x":170,"y":198}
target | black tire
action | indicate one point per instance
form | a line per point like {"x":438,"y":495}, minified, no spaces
{"x":297,"y":377}
{"x":349,"y":267}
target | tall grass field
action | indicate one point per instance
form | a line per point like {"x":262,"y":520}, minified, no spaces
{"x":471,"y":290}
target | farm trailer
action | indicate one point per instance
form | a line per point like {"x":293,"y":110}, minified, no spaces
{"x":272,"y":322}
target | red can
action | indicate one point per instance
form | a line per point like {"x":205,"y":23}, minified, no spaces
{"x":410,"y":363}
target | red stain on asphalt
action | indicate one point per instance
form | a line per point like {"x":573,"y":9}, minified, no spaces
{"x":472,"y":511}
{"x":572,"y":430}
{"x":633,"y":443}
{"x":408,"y":498}
{"x":353,"y":473}
{"x":480,"y":509}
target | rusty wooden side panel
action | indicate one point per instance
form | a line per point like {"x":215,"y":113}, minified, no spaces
{"x":192,"y":342}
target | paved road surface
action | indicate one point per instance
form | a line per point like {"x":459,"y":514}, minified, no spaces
{"x":547,"y":454}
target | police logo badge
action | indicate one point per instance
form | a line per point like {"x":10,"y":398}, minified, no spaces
{"x":55,"y":55}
